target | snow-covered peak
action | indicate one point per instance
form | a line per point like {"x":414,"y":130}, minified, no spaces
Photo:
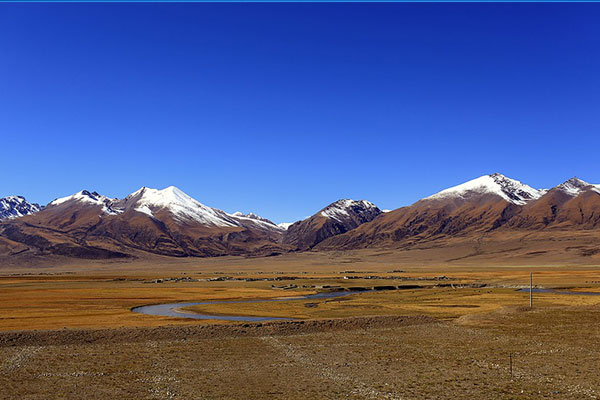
{"x":251,"y":215}
{"x":16,"y":206}
{"x":574,"y":186}
{"x":184,"y":209}
{"x":510,"y":190}
{"x":182,"y":206}
{"x":255,"y":220}
{"x":341,"y":209}
{"x":84,"y":196}
{"x":87,"y":197}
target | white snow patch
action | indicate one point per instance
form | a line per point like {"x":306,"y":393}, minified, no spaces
{"x":92,"y":198}
{"x":111,"y":211}
{"x":252,"y":216}
{"x":339,"y":209}
{"x":574,"y":186}
{"x":254,"y":219}
{"x":145,"y":210}
{"x":334,"y":213}
{"x":285,"y":225}
{"x":15,"y":207}
{"x":83,"y":196}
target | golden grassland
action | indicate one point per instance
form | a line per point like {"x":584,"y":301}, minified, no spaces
{"x":441,"y":303}
{"x":101,"y":294}
{"x":463,"y":354}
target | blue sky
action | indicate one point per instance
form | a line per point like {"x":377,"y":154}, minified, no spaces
{"x":281,"y":109}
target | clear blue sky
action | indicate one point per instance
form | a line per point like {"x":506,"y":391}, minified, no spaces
{"x":281,"y":109}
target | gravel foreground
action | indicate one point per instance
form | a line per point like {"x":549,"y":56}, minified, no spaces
{"x":554,"y":355}
{"x":277,"y":328}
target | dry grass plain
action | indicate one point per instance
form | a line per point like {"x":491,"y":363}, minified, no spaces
{"x":461,"y":352}
{"x":554,"y":356}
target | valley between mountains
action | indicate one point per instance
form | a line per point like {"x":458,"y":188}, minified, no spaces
{"x":430,"y":302}
{"x":491,"y":217}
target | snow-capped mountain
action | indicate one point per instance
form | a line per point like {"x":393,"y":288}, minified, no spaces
{"x":182,"y":207}
{"x":164,"y":221}
{"x":474,"y":210}
{"x":570,"y":204}
{"x":346,"y":208}
{"x":16,"y":206}
{"x":574,"y":186}
{"x":156,"y":203}
{"x":87,"y":198}
{"x":170,"y":222}
{"x":187,"y":210}
{"x":239,"y":214}
{"x":338,"y":217}
{"x":510,"y":190}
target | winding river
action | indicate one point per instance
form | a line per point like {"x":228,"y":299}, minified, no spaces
{"x":174,"y":309}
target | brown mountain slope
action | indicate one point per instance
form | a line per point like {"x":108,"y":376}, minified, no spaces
{"x":425,"y":221}
{"x":491,"y":216}
{"x":480,"y":218}
{"x":166,"y":222}
{"x":573,"y":203}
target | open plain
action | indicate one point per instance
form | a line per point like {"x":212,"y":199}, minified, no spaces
{"x":433,"y":330}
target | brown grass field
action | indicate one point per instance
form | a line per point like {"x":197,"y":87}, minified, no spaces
{"x":68,"y":332}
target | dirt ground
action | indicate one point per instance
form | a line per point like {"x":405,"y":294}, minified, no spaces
{"x":68,"y":332}
{"x":554,"y":353}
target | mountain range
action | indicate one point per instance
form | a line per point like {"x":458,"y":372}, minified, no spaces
{"x":16,"y":206}
{"x":487,"y":214}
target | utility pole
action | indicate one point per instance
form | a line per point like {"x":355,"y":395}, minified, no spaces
{"x":531,"y":290}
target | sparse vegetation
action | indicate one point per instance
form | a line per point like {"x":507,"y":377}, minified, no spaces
{"x":463,"y":352}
